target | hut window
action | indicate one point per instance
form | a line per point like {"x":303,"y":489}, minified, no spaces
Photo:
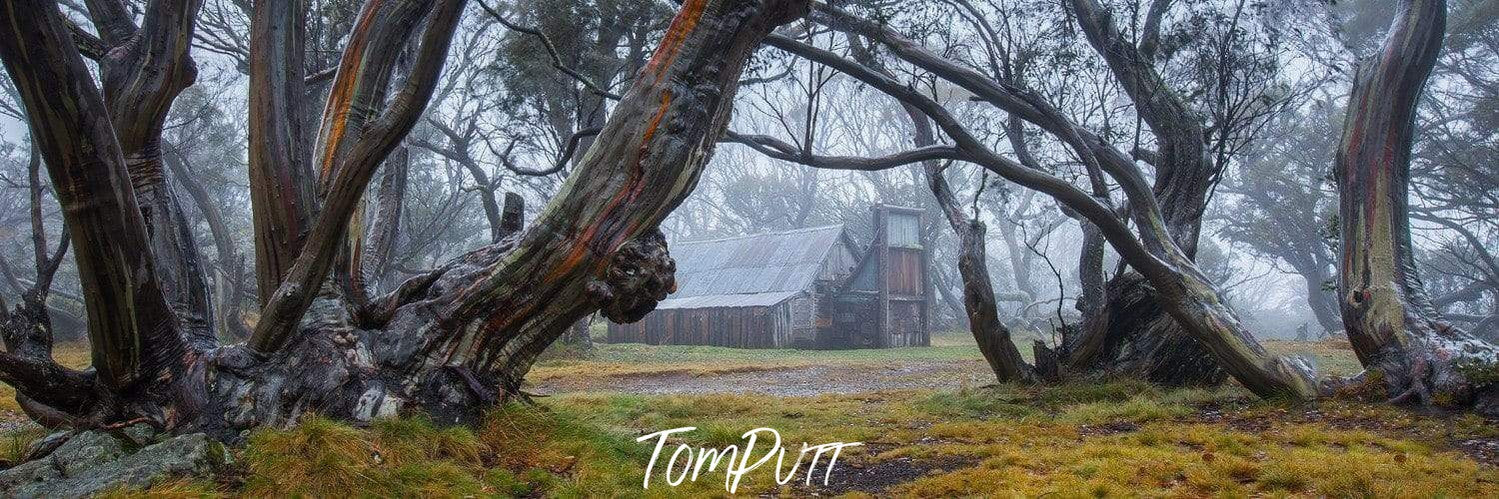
{"x":905,"y":231}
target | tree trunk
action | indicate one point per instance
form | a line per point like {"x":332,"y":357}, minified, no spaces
{"x":1409,"y":353}
{"x":1185,"y":292}
{"x":132,"y":329}
{"x":1324,"y":303}
{"x":280,"y":179}
{"x":386,"y":227}
{"x":1090,"y":270}
{"x":1141,"y":338}
{"x":978,"y":301}
{"x":232,"y":322}
{"x":1133,"y":335}
{"x":141,"y":77}
{"x":982,"y":309}
{"x":979,"y":304}
{"x":456,"y":339}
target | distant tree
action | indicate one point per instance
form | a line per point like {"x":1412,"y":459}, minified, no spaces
{"x":1284,"y":204}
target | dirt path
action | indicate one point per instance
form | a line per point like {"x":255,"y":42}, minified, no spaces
{"x":801,"y":381}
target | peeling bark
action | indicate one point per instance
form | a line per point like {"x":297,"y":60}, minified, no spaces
{"x":133,"y":331}
{"x":280,"y":178}
{"x":450,"y":342}
{"x":1410,"y":354}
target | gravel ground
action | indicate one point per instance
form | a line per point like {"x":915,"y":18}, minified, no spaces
{"x":786,"y":381}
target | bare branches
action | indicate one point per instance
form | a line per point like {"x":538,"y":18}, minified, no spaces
{"x":775,"y":148}
{"x":562,"y":161}
{"x":978,"y":153}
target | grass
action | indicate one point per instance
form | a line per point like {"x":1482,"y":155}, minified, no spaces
{"x":1120,"y":437}
{"x":994,"y":441}
{"x":634,"y":359}
{"x":1332,"y":357}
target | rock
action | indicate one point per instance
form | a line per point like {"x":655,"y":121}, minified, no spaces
{"x":94,"y":461}
{"x":141,"y":434}
{"x":86,"y":450}
{"x":45,"y":445}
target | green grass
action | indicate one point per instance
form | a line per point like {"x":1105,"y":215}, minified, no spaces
{"x":634,"y":359}
{"x":1119,"y":437}
{"x":1002,"y":440}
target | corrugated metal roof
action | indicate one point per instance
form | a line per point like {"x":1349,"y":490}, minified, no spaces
{"x":774,"y":266}
{"x":727,"y":301}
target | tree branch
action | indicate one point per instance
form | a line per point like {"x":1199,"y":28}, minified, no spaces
{"x":352,"y":172}
{"x":132,"y":331}
{"x":778,"y":149}
{"x":546,"y":42}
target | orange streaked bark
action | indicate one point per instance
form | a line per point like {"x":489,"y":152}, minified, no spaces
{"x":676,"y":35}
{"x":632,"y":189}
{"x":341,"y":95}
{"x":358,"y":156}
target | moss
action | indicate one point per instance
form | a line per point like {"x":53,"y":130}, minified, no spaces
{"x":1138,"y":409}
{"x":1479,"y":372}
{"x":504,"y":483}
{"x":1005,"y":441}
{"x":403,"y":440}
{"x":318,"y":458}
{"x":975,"y":403}
{"x":405,"y":457}
{"x":1090,"y":391}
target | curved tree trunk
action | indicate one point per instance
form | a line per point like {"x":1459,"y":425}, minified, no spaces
{"x":142,"y":74}
{"x":1409,"y":353}
{"x":1185,"y":292}
{"x":979,"y":303}
{"x":1132,"y":334}
{"x":449,"y":342}
{"x":1140,"y":338}
{"x":982,"y":309}
{"x":231,"y":320}
{"x":132,"y":329}
{"x":280,"y":179}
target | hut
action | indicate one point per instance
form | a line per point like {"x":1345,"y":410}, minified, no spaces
{"x":805,"y":288}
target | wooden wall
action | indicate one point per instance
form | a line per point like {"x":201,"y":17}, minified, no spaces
{"x":904,"y":275}
{"x":902,"y":261}
{"x":748,"y":327}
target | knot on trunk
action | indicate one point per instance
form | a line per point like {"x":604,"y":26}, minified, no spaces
{"x":640,"y":274}
{"x":784,"y":11}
